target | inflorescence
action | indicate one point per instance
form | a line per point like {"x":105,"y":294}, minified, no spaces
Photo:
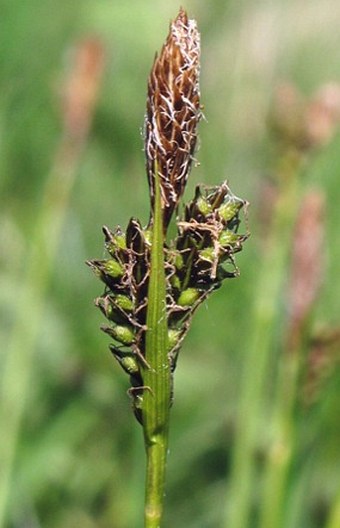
{"x":202,"y":254}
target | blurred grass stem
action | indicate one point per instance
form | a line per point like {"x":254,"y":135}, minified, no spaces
{"x":257,"y":357}
{"x":17,"y":369}
{"x":306,"y":270}
{"x":282,"y":446}
{"x":334,"y":515}
{"x":18,"y":363}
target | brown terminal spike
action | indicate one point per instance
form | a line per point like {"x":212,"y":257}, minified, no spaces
{"x":173,"y":112}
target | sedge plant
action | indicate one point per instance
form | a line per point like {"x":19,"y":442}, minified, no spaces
{"x":153,"y":285}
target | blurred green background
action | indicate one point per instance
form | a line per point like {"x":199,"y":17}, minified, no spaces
{"x":72,"y":452}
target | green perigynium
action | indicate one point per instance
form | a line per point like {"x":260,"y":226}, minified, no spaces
{"x":196,"y":263}
{"x":202,"y":254}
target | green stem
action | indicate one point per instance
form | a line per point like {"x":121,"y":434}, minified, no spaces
{"x":334,"y":514}
{"x":282,"y":445}
{"x":156,"y":378}
{"x":17,"y":367}
{"x":256,"y":361}
{"x":155,"y":481}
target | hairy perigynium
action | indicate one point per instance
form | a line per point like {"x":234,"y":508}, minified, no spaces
{"x":196,"y":262}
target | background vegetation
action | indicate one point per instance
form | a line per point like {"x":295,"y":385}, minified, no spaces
{"x":79,"y":460}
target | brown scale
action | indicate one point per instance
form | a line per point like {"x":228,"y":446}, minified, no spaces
{"x":173,"y":113}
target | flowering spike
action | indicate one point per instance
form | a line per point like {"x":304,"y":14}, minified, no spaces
{"x":173,"y":112}
{"x":201,"y":254}
{"x":154,"y":286}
